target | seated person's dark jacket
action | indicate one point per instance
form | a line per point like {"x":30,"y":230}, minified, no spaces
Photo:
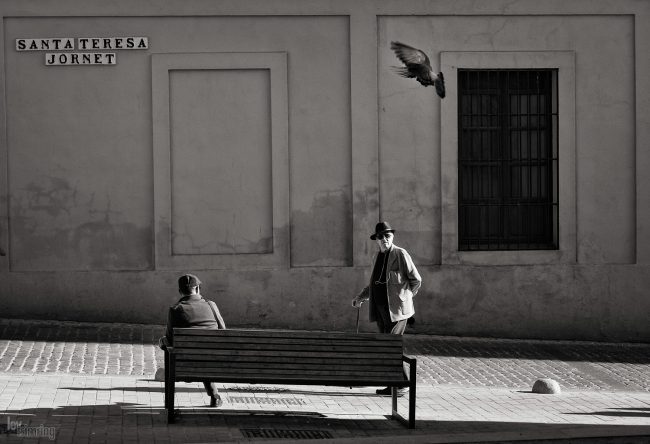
{"x":193,"y":312}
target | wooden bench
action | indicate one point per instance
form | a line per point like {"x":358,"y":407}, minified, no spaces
{"x":290,"y":358}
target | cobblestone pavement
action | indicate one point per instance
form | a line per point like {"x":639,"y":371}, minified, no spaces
{"x":130,"y":350}
{"x":76,"y":347}
{"x":91,"y":382}
{"x":515,"y":363}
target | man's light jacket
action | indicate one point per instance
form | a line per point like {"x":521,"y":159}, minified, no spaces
{"x":402,"y":284}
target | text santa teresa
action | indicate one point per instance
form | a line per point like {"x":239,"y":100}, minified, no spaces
{"x":82,"y":43}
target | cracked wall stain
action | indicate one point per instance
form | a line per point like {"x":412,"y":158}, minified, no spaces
{"x":322,"y":236}
{"x":54,"y":227}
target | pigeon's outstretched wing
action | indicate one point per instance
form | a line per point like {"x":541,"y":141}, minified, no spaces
{"x":411,"y":56}
{"x":418,"y":66}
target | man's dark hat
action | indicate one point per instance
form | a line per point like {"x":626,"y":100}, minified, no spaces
{"x":188,"y":281}
{"x":381,"y":228}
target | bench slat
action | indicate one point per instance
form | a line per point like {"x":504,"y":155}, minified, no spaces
{"x":263,"y":353}
{"x":286,"y":367}
{"x":289,"y":334}
{"x":304,"y":370}
{"x":320,"y":375}
{"x":288,"y":347}
{"x":369,"y":361}
{"x":305,"y":374}
{"x":206,"y":361}
{"x":287,"y":340}
{"x":284,"y":380}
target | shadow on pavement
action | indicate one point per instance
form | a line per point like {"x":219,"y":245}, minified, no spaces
{"x":238,"y":390}
{"x":179,"y":388}
{"x":133,"y":421}
{"x":631,"y":412}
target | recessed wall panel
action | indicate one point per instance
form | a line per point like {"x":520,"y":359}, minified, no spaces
{"x":221,"y":161}
{"x":221,"y":177}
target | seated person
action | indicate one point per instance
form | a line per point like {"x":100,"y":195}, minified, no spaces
{"x":192,"y":311}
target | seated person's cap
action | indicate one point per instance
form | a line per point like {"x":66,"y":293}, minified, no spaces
{"x":188,"y":281}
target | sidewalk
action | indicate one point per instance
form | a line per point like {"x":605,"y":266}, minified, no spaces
{"x":83,"y":382}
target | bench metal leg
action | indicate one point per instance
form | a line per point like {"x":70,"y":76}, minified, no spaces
{"x":412,"y":395}
{"x":166,"y":377}
{"x":170,"y":386}
{"x":412,"y":391}
{"x":170,"y":406}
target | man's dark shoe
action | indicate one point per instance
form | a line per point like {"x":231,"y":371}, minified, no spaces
{"x":215,"y":401}
{"x":386,"y":391}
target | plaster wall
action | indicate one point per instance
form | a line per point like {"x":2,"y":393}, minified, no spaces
{"x":257,"y":144}
{"x":410,"y":123}
{"x":81,"y":181}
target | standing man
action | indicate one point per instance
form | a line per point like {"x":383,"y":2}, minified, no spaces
{"x":393,"y":284}
{"x":192,"y":311}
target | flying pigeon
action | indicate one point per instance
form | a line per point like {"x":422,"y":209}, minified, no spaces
{"x":418,"y":67}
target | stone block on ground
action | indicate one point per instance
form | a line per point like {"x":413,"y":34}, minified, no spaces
{"x":546,"y":386}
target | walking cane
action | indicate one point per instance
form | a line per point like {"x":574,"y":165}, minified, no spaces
{"x":358,"y":310}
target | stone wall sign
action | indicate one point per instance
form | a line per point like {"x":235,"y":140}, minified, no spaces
{"x":90,"y":44}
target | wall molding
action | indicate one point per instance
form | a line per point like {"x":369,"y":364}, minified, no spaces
{"x":564,"y":61}
{"x":276,"y":63}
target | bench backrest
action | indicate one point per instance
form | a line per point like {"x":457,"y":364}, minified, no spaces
{"x":288,"y":357}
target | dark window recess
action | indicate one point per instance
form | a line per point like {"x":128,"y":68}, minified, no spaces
{"x":507,"y":159}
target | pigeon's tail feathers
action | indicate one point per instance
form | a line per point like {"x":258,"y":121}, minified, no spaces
{"x":402,"y":71}
{"x":440,"y":85}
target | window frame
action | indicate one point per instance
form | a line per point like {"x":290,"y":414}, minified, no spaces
{"x":495,"y":165}
{"x":564,"y":62}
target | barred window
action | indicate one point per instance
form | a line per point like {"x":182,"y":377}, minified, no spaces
{"x":508,"y":159}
